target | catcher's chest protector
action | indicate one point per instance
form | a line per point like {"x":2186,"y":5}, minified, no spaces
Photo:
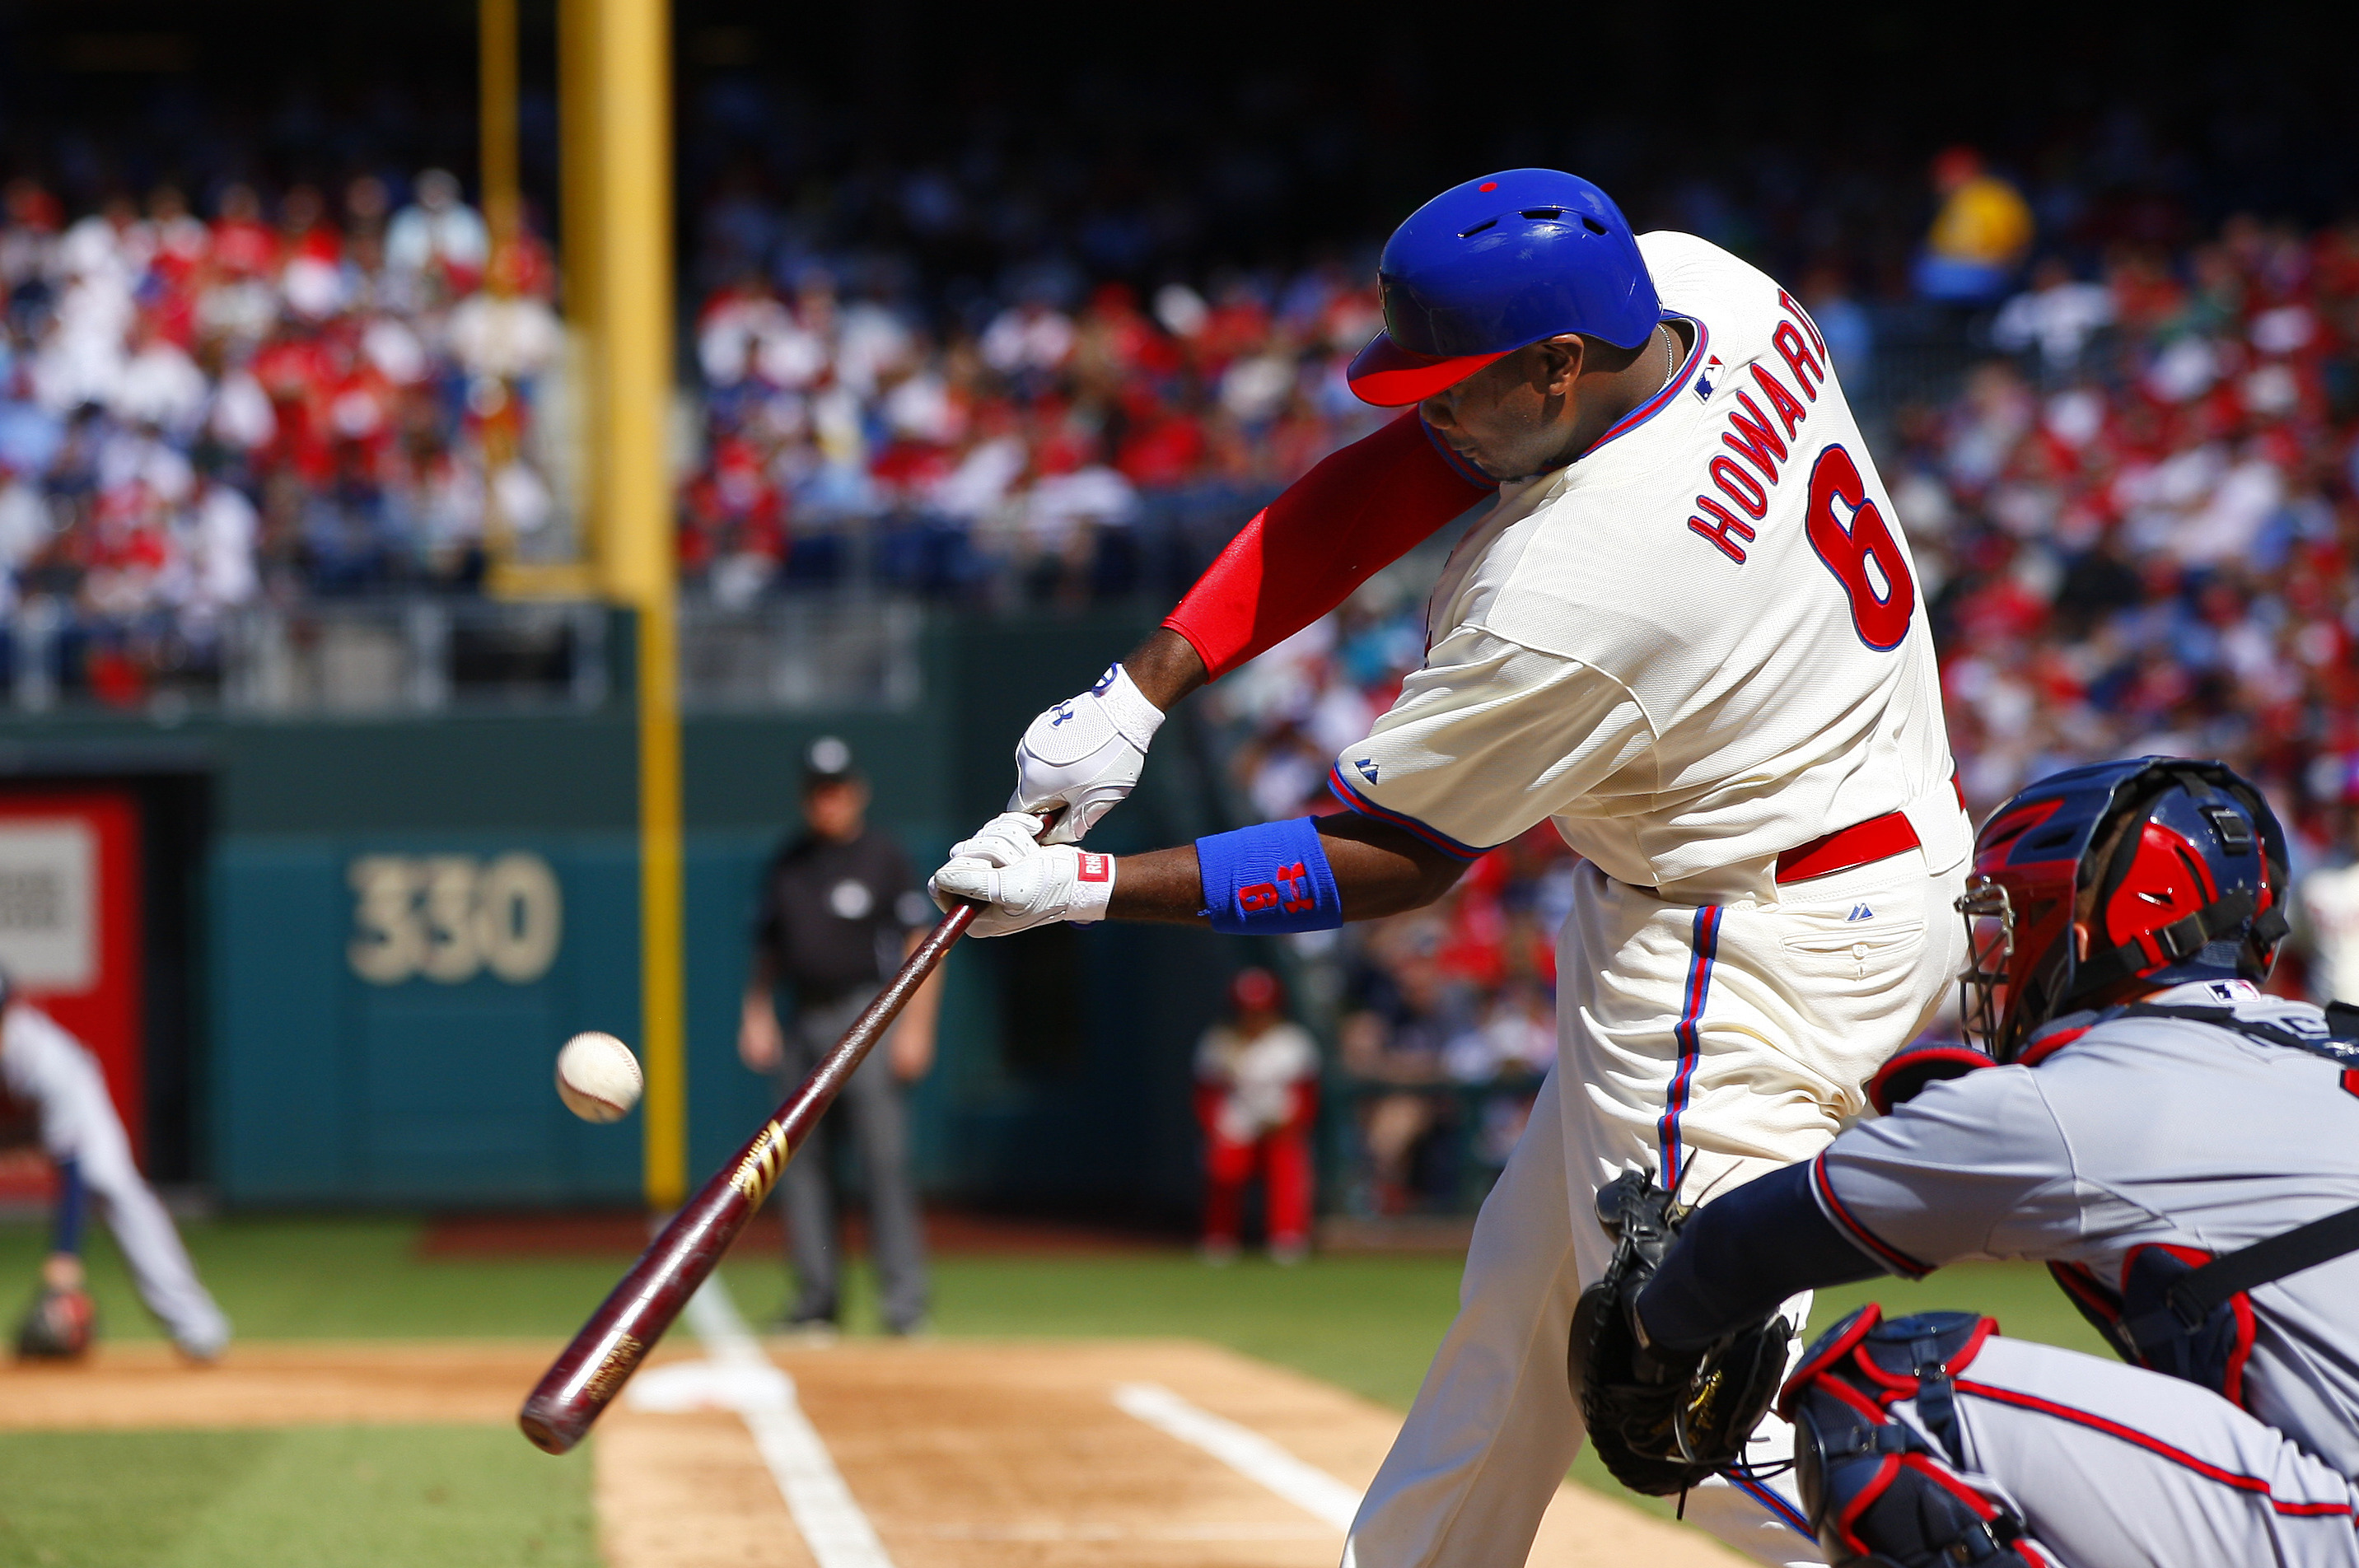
{"x":1879,"y":1493}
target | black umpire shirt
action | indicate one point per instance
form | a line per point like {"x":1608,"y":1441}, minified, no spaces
{"x":835,"y":914}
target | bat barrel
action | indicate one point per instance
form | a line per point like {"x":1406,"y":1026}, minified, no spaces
{"x":601,"y":1358}
{"x":593,"y":1368}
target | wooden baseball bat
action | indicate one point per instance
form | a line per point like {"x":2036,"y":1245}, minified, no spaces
{"x":592,"y":1369}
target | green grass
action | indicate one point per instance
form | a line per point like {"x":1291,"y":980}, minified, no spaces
{"x":1367,"y":1324}
{"x":438,"y":1497}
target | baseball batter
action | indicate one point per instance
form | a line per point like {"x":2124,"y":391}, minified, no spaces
{"x":2159,"y":1118}
{"x":48,"y":1069}
{"x":1685,"y":631}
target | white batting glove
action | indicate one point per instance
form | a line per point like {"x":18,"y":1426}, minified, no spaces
{"x":1084,"y":755}
{"x":1020,"y":883}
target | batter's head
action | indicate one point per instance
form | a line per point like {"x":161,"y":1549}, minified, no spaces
{"x":2103,"y":881}
{"x":1496,"y":264}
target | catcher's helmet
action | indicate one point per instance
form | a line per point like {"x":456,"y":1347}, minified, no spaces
{"x":1493,"y":266}
{"x":2176,"y":868}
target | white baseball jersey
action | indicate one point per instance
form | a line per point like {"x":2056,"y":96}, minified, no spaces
{"x":43,"y":1066}
{"x":1697,"y":646}
{"x":1259,"y":1075}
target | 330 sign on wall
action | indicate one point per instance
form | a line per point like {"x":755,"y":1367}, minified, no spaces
{"x":450,"y":917}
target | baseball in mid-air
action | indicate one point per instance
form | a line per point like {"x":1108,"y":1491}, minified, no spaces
{"x":597,"y":1077}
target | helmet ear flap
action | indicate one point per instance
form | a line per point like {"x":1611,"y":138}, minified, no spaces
{"x":2175,"y":869}
{"x":2270,"y":926}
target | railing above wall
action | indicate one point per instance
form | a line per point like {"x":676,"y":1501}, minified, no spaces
{"x":428,"y":655}
{"x":416,"y":656}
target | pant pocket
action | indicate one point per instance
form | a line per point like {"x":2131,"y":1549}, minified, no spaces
{"x":1854,"y":952}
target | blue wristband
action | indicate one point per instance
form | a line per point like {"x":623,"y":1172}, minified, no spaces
{"x":1260,"y":882}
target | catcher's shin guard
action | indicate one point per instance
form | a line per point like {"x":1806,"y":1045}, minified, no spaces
{"x":1879,"y":1494}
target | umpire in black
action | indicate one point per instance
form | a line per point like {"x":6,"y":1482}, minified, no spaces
{"x":840,"y":908}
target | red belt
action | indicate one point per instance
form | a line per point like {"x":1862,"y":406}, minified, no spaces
{"x":1861,"y":844}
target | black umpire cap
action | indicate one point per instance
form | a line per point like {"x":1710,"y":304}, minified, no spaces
{"x":828,"y":762}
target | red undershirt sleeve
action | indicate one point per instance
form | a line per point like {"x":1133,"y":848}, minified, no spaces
{"x":1360,"y":510}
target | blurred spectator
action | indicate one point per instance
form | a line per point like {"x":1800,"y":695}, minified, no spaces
{"x":1845,"y":324}
{"x":2056,"y":314}
{"x":2326,"y":912}
{"x":1256,"y":1088}
{"x":1979,"y":235}
{"x":438,"y":241}
{"x":1392,"y":1036}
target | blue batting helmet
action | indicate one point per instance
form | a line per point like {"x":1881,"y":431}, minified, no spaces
{"x":1493,"y":266}
{"x":2177,"y":868}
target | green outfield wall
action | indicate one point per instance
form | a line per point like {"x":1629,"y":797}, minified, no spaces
{"x":375,"y":933}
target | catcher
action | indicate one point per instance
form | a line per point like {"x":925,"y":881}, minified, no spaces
{"x":2182,"y":1151}
{"x":53,"y":1076}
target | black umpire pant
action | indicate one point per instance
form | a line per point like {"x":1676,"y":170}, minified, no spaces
{"x":876,"y":1103}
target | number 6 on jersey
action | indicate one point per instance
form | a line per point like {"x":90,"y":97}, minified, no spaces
{"x":1881,"y":615}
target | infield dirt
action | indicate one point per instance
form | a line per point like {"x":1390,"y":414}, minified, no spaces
{"x":963,"y":1454}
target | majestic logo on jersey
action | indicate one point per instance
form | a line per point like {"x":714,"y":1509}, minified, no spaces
{"x":1756,"y":441}
{"x":1859,"y":912}
{"x":1368,"y":766}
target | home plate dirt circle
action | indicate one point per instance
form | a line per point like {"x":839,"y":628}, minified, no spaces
{"x":959,"y":1454}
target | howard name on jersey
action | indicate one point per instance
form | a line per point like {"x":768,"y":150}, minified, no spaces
{"x":1700,"y":645}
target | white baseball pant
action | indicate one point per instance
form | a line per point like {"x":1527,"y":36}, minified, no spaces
{"x":2112,"y":1467}
{"x":1710,"y":1042}
{"x":45,"y":1067}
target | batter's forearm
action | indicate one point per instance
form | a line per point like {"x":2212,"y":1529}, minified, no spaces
{"x":1162,"y":885}
{"x":1166,"y":668}
{"x":1378,"y":869}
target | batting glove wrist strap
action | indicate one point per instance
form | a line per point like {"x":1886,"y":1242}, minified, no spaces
{"x":1126,"y":708}
{"x":1269,"y":878}
{"x":1081,"y":757}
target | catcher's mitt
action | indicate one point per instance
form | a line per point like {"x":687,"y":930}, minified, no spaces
{"x":1662,"y":1421}
{"x":58,"y":1327}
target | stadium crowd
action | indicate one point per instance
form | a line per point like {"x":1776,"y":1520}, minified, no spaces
{"x":303,"y":399}
{"x":1021,"y":460}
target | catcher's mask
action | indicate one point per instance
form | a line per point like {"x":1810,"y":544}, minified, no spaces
{"x":2174,"y":870}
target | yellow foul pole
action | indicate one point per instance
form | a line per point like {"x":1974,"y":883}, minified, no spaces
{"x":495,"y":86}
{"x":614,"y":56}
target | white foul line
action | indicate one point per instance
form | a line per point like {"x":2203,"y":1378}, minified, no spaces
{"x":1244,"y":1450}
{"x":741,"y":1378}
